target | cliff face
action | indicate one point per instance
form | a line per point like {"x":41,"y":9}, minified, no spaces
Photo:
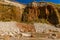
{"x":10,"y":11}
{"x":33,"y":12}
{"x":41,"y":12}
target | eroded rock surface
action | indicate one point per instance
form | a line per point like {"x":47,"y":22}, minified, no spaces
{"x":35,"y":12}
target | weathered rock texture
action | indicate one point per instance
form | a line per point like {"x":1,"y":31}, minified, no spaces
{"x":11,"y":11}
{"x":37,"y":11}
{"x":13,"y":31}
{"x":32,"y":12}
{"x":14,"y":28}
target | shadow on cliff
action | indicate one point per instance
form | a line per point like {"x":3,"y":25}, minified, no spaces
{"x":35,"y":12}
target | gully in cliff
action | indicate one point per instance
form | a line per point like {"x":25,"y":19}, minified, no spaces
{"x":35,"y":11}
